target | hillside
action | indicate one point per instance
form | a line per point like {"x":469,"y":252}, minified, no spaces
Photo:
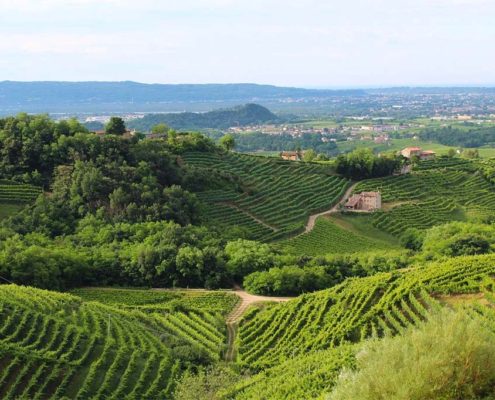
{"x":249,"y":114}
{"x":75,"y":97}
{"x":278,"y":195}
{"x":383,"y":304}
{"x":54,"y":345}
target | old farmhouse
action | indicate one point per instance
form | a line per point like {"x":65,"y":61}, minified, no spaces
{"x":291,"y":155}
{"x":410,"y":152}
{"x":364,"y":201}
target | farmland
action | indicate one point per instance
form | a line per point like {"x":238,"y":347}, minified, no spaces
{"x":383,"y":304}
{"x":328,"y":237}
{"x":14,"y":195}
{"x":278,"y":198}
{"x":438,"y":192}
{"x":55,"y":345}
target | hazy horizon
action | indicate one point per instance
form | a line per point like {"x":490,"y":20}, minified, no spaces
{"x":313,"y":44}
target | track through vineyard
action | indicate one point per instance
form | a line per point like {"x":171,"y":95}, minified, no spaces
{"x":312,"y":218}
{"x":236,"y":314}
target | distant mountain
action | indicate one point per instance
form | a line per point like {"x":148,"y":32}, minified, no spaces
{"x":81,"y":97}
{"x":249,"y":114}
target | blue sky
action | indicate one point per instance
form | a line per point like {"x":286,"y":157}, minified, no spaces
{"x":325,"y":43}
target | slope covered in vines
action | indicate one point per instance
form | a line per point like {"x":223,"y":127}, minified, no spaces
{"x":274,"y":197}
{"x":379,"y":305}
{"x":54,"y":345}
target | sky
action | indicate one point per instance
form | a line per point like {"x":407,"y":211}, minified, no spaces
{"x":306,"y":43}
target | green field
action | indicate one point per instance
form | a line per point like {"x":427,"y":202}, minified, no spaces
{"x":55,"y":345}
{"x":336,"y":236}
{"x":383,"y":304}
{"x":277,"y":197}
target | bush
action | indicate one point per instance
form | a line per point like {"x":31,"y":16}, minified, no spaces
{"x":452,"y":357}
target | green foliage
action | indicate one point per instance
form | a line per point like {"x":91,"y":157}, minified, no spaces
{"x":451,"y":357}
{"x":301,"y":377}
{"x":363,"y":164}
{"x":457,"y":239}
{"x":205,"y":383}
{"x":451,"y":136}
{"x":321,"y":272}
{"x":227,"y":142}
{"x":288,"y":281}
{"x":246,"y":256}
{"x":116,"y":126}
{"x":249,"y":114}
{"x":257,"y":141}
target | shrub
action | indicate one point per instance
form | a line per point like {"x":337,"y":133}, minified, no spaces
{"x":452,"y":357}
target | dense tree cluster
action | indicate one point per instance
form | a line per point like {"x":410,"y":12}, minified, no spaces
{"x":469,"y":137}
{"x":364,"y":164}
{"x":256,"y":141}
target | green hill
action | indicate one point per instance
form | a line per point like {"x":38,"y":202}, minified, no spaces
{"x":249,"y":114}
{"x":277,"y":197}
{"x":54,"y":345}
{"x":383,"y":304}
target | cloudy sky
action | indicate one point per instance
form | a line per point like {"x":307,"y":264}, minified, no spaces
{"x":312,"y":43}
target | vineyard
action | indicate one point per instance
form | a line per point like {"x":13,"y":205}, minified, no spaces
{"x":14,"y":195}
{"x":11,"y":192}
{"x":161,"y":300}
{"x":277,"y":197}
{"x":327,"y":237}
{"x":54,"y":345}
{"x":383,"y":304}
{"x":430,"y":197}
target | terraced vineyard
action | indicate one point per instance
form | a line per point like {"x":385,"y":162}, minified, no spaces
{"x":383,"y":304}
{"x":278,"y":195}
{"x":327,"y":237}
{"x":15,"y":193}
{"x":54,"y":345}
{"x":430,"y":197}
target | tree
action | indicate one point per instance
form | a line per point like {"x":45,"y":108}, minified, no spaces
{"x":451,"y":153}
{"x":227,"y":142}
{"x":246,"y":256}
{"x":309,"y":155}
{"x":115,"y":126}
{"x":160,"y":129}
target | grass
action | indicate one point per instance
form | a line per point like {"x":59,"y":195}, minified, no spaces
{"x":7,"y":210}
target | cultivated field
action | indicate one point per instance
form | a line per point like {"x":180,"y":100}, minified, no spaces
{"x":279,"y":195}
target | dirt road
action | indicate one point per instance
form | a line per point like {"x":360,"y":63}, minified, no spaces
{"x":236,"y":314}
{"x":312,"y":218}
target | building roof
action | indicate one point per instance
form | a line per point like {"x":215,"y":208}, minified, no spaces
{"x":353,"y":200}
{"x":370,"y":194}
{"x":412,"y":149}
{"x":428,"y":152}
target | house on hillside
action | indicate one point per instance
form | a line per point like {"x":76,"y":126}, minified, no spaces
{"x":291,"y":155}
{"x":410,"y":152}
{"x":364,"y":201}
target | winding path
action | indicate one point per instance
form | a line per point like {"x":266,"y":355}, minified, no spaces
{"x":236,"y":314}
{"x":312,"y":218}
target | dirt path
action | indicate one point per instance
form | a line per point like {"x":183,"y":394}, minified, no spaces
{"x":312,"y":218}
{"x":236,"y":314}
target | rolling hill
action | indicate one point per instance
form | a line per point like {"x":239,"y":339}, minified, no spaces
{"x":248,"y":114}
{"x":55,"y":345}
